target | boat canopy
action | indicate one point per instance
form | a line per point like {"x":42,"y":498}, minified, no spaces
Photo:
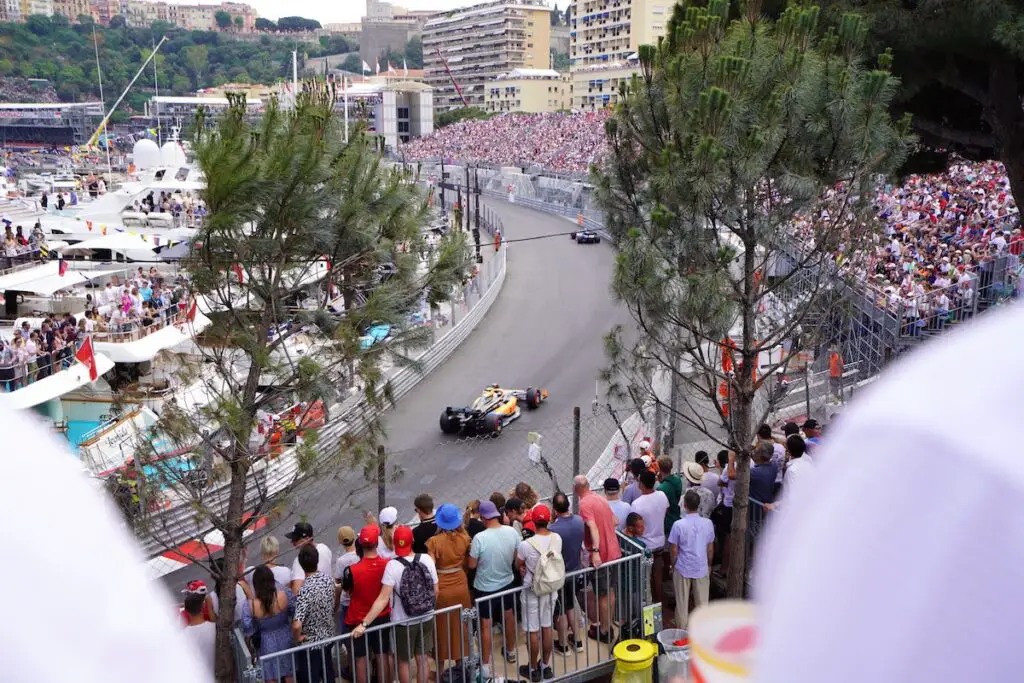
{"x":52,"y":283}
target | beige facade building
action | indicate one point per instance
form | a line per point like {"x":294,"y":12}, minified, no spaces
{"x":72,"y":9}
{"x":30,"y":7}
{"x":481,"y":42}
{"x":10,"y":10}
{"x":192,"y":17}
{"x":599,"y":86}
{"x":604,"y":36}
{"x":198,"y":17}
{"x":528,"y":90}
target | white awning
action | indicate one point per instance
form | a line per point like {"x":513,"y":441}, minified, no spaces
{"x":120,"y":242}
{"x":18,"y":277}
{"x":49,"y":284}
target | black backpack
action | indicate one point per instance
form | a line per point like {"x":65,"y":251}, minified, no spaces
{"x":416,"y":587}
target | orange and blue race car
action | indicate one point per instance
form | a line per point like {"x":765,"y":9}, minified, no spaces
{"x":494,"y":408}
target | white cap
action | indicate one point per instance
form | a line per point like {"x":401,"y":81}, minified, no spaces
{"x":645,"y":444}
{"x":388,"y":515}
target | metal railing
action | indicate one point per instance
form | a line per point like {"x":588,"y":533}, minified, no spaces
{"x":18,"y":374}
{"x":493,"y":631}
{"x":133,"y":330}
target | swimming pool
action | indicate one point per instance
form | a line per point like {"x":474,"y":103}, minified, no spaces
{"x":77,"y":429}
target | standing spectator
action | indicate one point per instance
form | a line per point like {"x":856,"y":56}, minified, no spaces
{"x":538,"y":610}
{"x":471,"y":519}
{"x":388,"y":519}
{"x":300,"y":536}
{"x":762,"y":474}
{"x":347,"y":556}
{"x":362,"y":581}
{"x":200,"y":632}
{"x":764,"y":435}
{"x":620,"y":508}
{"x":514,"y":514}
{"x":694,"y":474}
{"x":570,"y":529}
{"x":798,"y":466}
{"x":692,"y":540}
{"x":427,"y":527}
{"x":409,"y":587}
{"x":711,"y":474}
{"x":498,"y":498}
{"x":653,"y":506}
{"x":270,"y":551}
{"x":601,"y":546}
{"x":632,"y":492}
{"x":450,"y":549}
{"x":314,"y":618}
{"x":812,"y":430}
{"x":672,"y":486}
{"x":722,"y":517}
{"x":492,"y":554}
{"x":269,"y":613}
{"x":836,"y":366}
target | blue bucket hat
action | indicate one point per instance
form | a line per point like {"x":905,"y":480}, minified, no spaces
{"x":448,"y":517}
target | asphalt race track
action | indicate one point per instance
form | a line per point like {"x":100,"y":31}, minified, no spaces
{"x":545,"y":330}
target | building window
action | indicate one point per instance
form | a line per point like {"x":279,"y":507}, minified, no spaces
{"x":403,"y":126}
{"x":403,"y":112}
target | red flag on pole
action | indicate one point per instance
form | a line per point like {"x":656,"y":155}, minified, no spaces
{"x":237,"y":267}
{"x":62,"y":266}
{"x":85,"y":356}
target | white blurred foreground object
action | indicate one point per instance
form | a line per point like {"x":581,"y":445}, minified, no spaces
{"x":723,"y":642}
{"x":93,"y":615}
{"x":898,"y":561}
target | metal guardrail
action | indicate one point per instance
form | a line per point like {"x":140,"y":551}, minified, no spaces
{"x":481,"y":633}
{"x":179,"y":522}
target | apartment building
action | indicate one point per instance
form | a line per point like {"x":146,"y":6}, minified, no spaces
{"x":72,"y":9}
{"x":142,"y":14}
{"x":528,"y":90}
{"x":612,"y":30}
{"x":30,"y":7}
{"x":192,"y":17}
{"x":10,"y":10}
{"x":477,"y":43}
{"x":600,"y":85}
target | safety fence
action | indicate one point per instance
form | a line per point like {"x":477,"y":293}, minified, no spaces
{"x":182,"y":514}
{"x":505,"y":631}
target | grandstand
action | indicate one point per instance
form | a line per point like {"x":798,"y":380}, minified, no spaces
{"x":48,"y":124}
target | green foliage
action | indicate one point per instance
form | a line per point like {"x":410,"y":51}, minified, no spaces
{"x":560,"y":61}
{"x":265,"y":24}
{"x":297,"y":24}
{"x":414,"y":52}
{"x":223,"y":19}
{"x":43,"y":48}
{"x":556,"y":16}
{"x":727,"y":139}
{"x":352,"y":64}
{"x":961,"y":66}
{"x":446,"y":118}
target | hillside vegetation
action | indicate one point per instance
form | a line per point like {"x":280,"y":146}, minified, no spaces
{"x":53,"y":49}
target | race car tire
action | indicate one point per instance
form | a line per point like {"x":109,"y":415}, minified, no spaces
{"x":533,"y":398}
{"x":449,"y":425}
{"x":572,"y":236}
{"x":494,"y":423}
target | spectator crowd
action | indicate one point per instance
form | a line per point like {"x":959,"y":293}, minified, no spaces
{"x":399,"y":590}
{"x":565,"y":143}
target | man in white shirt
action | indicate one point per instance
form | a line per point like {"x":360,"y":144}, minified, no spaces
{"x":955,"y":527}
{"x":652,"y":505}
{"x":300,"y":536}
{"x":798,"y":467}
{"x":200,"y":632}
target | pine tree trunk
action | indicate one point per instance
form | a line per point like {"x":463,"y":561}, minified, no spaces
{"x":1006,"y":116}
{"x":225,"y":661}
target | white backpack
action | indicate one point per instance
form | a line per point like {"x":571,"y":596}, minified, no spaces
{"x":549,"y":574}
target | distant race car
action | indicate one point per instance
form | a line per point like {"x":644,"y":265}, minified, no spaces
{"x":491,"y":411}
{"x":585,"y":237}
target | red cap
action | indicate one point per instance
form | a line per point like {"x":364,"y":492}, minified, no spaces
{"x":369,"y":535}
{"x":531,"y":527}
{"x":541,"y":513}
{"x":403,"y":541}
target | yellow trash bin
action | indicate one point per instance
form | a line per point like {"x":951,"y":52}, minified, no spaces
{"x":634,"y":661}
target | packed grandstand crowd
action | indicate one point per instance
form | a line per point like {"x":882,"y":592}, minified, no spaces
{"x":564,"y":143}
{"x":16,"y":89}
{"x":942,"y":232}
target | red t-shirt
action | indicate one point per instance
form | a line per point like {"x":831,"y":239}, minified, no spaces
{"x":594,"y":508}
{"x":366,"y":582}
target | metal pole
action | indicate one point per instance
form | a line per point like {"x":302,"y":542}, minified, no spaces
{"x":807,"y":390}
{"x":467,"y":199}
{"x":103,"y":102}
{"x":381,"y":477}
{"x":103,"y":123}
{"x":575,"y":451}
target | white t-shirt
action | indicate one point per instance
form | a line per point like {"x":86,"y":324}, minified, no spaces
{"x":620,"y":509}
{"x":138,"y":624}
{"x":393,"y":577}
{"x":324,"y":563}
{"x":384,"y":551}
{"x":203,"y":637}
{"x":710,"y":482}
{"x":528,"y":552}
{"x":344,"y":560}
{"x":862,"y":552}
{"x":652,"y":507}
{"x":797,"y":471}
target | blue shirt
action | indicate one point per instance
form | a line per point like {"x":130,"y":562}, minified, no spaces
{"x":571,"y":530}
{"x":494,"y":550}
{"x":762,"y":482}
{"x":146,"y":293}
{"x":691,"y":536}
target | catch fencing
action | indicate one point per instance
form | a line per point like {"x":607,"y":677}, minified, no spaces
{"x":174,"y":519}
{"x":493,"y":630}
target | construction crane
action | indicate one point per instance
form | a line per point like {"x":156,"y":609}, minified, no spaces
{"x":458,"y":89}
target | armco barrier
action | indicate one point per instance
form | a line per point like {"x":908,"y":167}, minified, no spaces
{"x":180,"y":523}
